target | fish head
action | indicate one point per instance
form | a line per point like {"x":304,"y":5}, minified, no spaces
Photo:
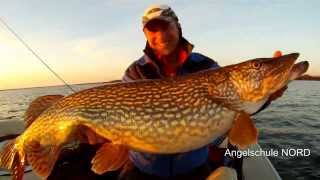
{"x":247,"y":86}
{"x":255,"y":80}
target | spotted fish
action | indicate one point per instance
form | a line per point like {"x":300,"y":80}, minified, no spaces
{"x":171,"y":115}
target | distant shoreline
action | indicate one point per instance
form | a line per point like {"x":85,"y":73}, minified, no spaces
{"x":309,"y":78}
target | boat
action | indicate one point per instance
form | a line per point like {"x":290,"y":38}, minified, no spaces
{"x":259,"y":167}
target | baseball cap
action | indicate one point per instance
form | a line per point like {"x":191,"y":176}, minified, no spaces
{"x":161,"y":12}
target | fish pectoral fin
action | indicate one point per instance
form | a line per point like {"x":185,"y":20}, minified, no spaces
{"x":109,"y":157}
{"x":243,"y":132}
{"x":13,"y":159}
{"x":39,"y":105}
{"x":41,"y":158}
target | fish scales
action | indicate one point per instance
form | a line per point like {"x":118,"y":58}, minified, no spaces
{"x":139,"y":113}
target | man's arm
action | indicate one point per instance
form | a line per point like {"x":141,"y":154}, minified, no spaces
{"x":131,"y":73}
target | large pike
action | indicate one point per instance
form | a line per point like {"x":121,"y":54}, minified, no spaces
{"x":164,"y":116}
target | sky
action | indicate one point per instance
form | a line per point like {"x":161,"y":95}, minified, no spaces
{"x":96,"y":40}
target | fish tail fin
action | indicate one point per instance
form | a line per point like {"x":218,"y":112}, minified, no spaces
{"x":42,"y":158}
{"x":13,"y":159}
{"x":38,"y":106}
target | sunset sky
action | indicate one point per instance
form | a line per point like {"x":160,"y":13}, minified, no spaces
{"x":95,"y":40}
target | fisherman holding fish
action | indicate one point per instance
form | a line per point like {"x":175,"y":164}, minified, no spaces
{"x":160,"y":141}
{"x":167,"y":53}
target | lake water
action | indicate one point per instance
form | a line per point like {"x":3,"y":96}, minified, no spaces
{"x":293,"y":121}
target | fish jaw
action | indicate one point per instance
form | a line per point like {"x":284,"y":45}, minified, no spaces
{"x":280,"y":75}
{"x":298,"y":69}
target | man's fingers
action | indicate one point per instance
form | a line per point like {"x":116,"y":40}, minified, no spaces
{"x":278,"y":93}
{"x":277,"y":54}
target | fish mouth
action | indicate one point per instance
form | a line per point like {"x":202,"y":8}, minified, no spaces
{"x":298,"y":69}
{"x":286,"y":66}
{"x":283,"y":65}
{"x":282,"y":69}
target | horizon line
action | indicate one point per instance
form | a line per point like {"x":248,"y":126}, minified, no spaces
{"x":98,"y":82}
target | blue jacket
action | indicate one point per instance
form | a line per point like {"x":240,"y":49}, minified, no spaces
{"x":173,"y":164}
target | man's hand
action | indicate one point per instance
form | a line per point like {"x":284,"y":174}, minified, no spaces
{"x":280,"y":92}
{"x":277,"y":53}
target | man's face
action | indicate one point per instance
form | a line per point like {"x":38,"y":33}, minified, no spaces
{"x":163,"y":36}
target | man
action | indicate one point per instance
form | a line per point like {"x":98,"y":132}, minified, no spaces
{"x":167,"y":53}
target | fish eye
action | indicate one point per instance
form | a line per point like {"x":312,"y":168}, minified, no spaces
{"x":256,"y":65}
